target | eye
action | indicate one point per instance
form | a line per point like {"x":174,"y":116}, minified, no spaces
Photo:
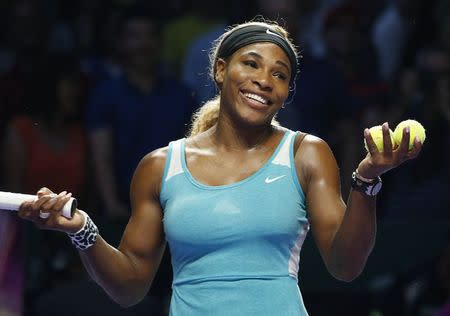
{"x":250,"y":63}
{"x":280,"y":76}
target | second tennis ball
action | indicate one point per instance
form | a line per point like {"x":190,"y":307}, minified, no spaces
{"x":415,"y":129}
{"x":377,"y":135}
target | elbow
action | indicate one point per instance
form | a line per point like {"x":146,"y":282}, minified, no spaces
{"x":127,"y":302}
{"x":346,"y":274}
{"x":126,"y":298}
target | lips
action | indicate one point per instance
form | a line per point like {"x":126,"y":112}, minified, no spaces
{"x":256,"y":97}
{"x":256,"y":101}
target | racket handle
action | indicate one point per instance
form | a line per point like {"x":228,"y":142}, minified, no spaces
{"x":11,"y":202}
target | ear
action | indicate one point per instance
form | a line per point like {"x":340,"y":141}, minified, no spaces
{"x":220,"y":71}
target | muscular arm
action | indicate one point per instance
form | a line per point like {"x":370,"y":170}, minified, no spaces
{"x":126,"y":273}
{"x":344,"y":234}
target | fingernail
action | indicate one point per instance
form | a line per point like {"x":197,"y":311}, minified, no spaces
{"x":407,"y":129}
{"x":366,"y":132}
{"x":417,"y":139}
{"x":62,"y":193}
{"x":68,"y":194}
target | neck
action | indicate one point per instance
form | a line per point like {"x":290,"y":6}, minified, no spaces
{"x":233,"y":136}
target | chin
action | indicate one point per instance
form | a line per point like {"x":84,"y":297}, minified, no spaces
{"x":255,"y":120}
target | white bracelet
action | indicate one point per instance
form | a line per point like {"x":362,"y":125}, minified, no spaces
{"x":86,"y":236}
{"x":360,"y":177}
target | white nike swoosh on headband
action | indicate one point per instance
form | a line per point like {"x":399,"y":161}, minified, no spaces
{"x":272,"y":33}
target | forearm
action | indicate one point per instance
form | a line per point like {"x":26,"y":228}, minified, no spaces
{"x":120,"y":280}
{"x":355,"y":238}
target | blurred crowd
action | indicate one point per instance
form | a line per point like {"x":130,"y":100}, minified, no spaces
{"x":88,"y":87}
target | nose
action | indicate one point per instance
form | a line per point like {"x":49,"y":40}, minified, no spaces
{"x":263,"y":80}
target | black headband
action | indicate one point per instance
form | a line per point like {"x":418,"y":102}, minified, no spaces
{"x":254,"y":34}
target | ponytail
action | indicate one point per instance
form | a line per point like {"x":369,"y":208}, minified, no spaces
{"x":205,"y":117}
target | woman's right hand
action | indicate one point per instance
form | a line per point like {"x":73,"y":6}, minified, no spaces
{"x":49,"y":202}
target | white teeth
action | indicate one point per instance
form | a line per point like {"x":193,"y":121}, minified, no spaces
{"x":256,"y":97}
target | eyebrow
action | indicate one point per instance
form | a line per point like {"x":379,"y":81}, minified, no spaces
{"x":258,"y":56}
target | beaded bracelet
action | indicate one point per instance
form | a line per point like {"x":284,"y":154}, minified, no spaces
{"x":86,"y":236}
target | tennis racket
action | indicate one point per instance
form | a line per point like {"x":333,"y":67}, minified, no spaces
{"x":10,"y":201}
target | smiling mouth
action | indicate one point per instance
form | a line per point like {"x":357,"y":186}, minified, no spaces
{"x":255,"y":99}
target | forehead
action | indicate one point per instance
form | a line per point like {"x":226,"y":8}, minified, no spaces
{"x":267,"y":50}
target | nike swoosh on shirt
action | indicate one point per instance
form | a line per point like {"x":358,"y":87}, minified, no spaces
{"x":270,"y":180}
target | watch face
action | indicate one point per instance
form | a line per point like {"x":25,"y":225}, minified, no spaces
{"x":367,"y":188}
{"x":376,"y":188}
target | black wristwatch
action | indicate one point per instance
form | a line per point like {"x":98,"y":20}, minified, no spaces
{"x":370,"y":188}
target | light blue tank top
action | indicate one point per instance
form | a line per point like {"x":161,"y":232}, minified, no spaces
{"x":235,"y":248}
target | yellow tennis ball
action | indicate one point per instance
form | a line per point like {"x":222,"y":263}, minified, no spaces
{"x":377,"y":135}
{"x":415,"y":129}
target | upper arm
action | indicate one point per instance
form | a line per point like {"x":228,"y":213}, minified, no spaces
{"x":143,"y":240}
{"x":319,"y":175}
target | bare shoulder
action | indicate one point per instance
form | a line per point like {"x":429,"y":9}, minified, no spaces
{"x":308,"y":143}
{"x":149,"y":172}
{"x":155,"y":160}
{"x":312,"y":152}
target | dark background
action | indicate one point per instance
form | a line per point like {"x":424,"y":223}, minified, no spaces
{"x":364,"y":63}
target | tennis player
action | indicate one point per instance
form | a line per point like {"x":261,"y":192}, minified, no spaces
{"x":235,"y":199}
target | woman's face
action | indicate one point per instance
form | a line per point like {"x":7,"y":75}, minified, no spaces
{"x":254,"y":83}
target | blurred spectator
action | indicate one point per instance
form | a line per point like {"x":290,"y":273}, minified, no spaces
{"x":310,"y":17}
{"x":104,"y":61}
{"x":195,"y":72}
{"x":391,"y":31}
{"x":49,"y":137}
{"x":199,"y":17}
{"x":130,"y":116}
{"x":135,"y":113}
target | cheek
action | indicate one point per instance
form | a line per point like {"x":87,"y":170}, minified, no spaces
{"x":237,"y":74}
{"x":282,"y":92}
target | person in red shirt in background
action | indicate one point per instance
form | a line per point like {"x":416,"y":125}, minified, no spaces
{"x":47,"y":144}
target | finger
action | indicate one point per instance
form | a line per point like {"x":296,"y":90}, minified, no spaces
{"x":370,"y":143}
{"x":404,"y":144}
{"x":44,"y":191}
{"x":37,"y":205}
{"x":387,"y":142}
{"x":415,"y":151}
{"x":25,"y":210}
{"x":62,"y":200}
{"x":49,"y":206}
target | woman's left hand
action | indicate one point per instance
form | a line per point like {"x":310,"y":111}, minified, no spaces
{"x":376,"y":163}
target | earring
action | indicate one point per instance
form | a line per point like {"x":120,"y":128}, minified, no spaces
{"x":283,"y":106}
